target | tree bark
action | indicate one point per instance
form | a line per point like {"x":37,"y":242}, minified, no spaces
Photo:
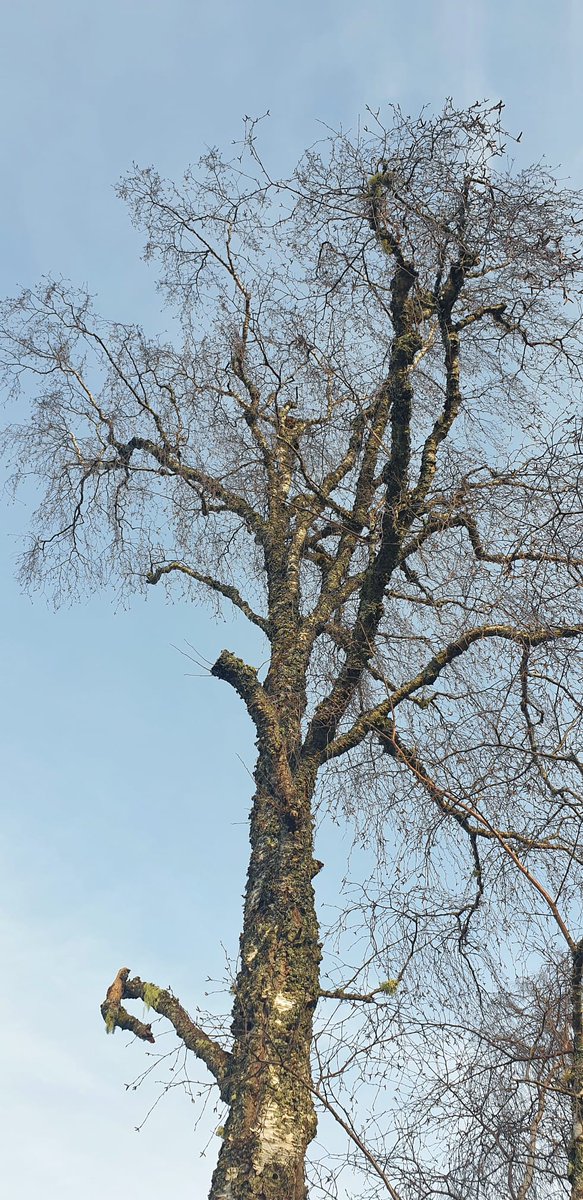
{"x":272,"y":1118}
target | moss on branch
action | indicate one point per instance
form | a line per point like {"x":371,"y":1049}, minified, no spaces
{"x":215,"y":1058}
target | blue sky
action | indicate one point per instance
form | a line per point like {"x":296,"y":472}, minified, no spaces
{"x":122,"y":836}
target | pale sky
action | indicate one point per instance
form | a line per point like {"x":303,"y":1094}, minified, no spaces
{"x":123,"y":838}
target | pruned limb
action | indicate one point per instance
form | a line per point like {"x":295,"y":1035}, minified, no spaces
{"x":216,"y":1059}
{"x":263,"y":713}
{"x":115,"y":1016}
{"x":243,"y":679}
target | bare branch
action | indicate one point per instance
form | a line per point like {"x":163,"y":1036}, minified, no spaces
{"x":166,"y":1005}
{"x":224,"y":589}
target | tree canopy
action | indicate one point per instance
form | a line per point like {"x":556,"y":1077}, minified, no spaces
{"x":365,"y":435}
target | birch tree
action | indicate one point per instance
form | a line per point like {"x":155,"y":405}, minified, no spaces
{"x":366,"y":438}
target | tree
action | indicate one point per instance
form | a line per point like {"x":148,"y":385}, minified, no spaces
{"x":366,"y":440}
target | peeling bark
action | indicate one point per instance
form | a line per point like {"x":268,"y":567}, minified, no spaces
{"x":272,"y":1119}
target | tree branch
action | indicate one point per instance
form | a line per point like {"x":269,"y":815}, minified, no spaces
{"x":169,"y":461}
{"x":457,"y":520}
{"x":424,"y":678}
{"x":163,"y":1002}
{"x":463,"y":812}
{"x":243,"y":679}
{"x":224,"y":589}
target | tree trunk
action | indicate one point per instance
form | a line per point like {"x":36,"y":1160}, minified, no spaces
{"x":272,"y":1119}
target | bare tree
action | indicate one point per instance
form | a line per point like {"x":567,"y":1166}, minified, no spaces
{"x":367,"y":439}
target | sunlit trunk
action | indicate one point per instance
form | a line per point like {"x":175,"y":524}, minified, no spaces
{"x":271,"y":1114}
